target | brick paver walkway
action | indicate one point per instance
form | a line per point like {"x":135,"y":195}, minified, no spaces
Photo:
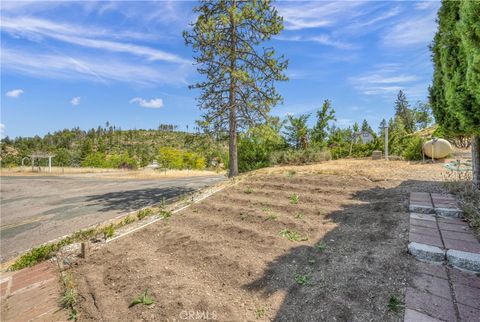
{"x":32,"y":294}
{"x":440,"y":291}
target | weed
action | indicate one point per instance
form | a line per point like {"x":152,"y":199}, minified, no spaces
{"x":38,"y":254}
{"x":165,"y":214}
{"x":69,"y":298}
{"x":460,"y":184}
{"x":311,"y":261}
{"x":144,"y":213}
{"x":108,"y":231}
{"x":266,"y":209}
{"x":272,"y":216}
{"x":260,"y":312}
{"x":321,"y":245}
{"x":298,"y":215}
{"x":248,"y":190}
{"x":294,"y":199}
{"x":127,"y":220}
{"x":84,"y":234}
{"x":394,"y":304}
{"x":301,"y":279}
{"x":163,"y":203}
{"x":143,"y":298}
{"x":243,"y":216}
{"x":292,"y":235}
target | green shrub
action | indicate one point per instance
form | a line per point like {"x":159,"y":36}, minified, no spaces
{"x":413,"y":148}
{"x":255,"y":148}
{"x":109,"y":231}
{"x":144,"y":213}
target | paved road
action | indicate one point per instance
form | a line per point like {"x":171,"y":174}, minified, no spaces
{"x":35,"y":210}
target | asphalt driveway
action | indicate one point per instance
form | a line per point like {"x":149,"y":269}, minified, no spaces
{"x":35,"y":210}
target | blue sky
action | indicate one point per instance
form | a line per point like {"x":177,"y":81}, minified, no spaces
{"x":67,"y":64}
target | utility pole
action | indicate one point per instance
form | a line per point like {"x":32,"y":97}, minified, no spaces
{"x":386,"y":142}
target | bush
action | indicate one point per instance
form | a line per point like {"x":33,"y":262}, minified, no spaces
{"x":413,"y":148}
{"x":101,"y":160}
{"x":256,"y":147}
{"x":172,"y":158}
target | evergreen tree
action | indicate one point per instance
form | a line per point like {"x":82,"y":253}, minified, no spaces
{"x":366,"y":127}
{"x":423,"y":115}
{"x":454,"y":94}
{"x":239,"y":87}
{"x":381,"y":127}
{"x":319,"y":131}
{"x":404,"y":113}
{"x":296,"y":131}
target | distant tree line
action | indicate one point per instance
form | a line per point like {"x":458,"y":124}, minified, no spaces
{"x":112,"y":147}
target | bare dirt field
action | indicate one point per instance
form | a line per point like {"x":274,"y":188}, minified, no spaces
{"x":37,"y":209}
{"x":324,"y":242}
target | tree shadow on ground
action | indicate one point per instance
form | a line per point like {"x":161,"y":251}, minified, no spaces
{"x":135,"y":199}
{"x":354,"y":269}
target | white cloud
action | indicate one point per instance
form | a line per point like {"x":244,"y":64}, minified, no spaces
{"x":316,"y":14}
{"x":423,"y":5}
{"x":35,"y":29}
{"x":322,"y":39}
{"x":415,"y":30}
{"x":152,"y":103}
{"x":90,"y":68}
{"x":387,"y":79}
{"x":15,"y":93}
{"x":75,"y":101}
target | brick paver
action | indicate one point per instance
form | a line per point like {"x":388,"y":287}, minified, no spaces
{"x":32,"y":294}
{"x":429,"y":304}
{"x":437,"y":292}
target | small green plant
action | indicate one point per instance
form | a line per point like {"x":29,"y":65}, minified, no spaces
{"x":127,"y":220}
{"x":292,"y":235}
{"x":260,"y":312}
{"x":143,"y":298}
{"x":266,"y":209}
{"x":272,"y":216}
{"x":69,"y":298}
{"x":394,"y":304}
{"x":144,"y":213}
{"x":108,"y":231}
{"x":248,"y":190}
{"x":165,"y":214}
{"x":38,"y":254}
{"x":243,"y":216}
{"x":311,"y":261}
{"x":291,"y":173}
{"x":294,"y":198}
{"x":301,"y":279}
{"x":321,"y":245}
{"x":298,"y":215}
{"x":84,"y":234}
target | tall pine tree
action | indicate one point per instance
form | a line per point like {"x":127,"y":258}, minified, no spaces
{"x":238,"y":90}
{"x":404,"y":113}
{"x":319,"y":131}
{"x":454,"y":94}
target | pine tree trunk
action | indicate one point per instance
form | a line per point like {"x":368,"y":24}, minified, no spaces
{"x":233,"y":141}
{"x":232,"y":102}
{"x":476,"y":160}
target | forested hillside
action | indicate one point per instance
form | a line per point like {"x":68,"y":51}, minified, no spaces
{"x":110,"y":147}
